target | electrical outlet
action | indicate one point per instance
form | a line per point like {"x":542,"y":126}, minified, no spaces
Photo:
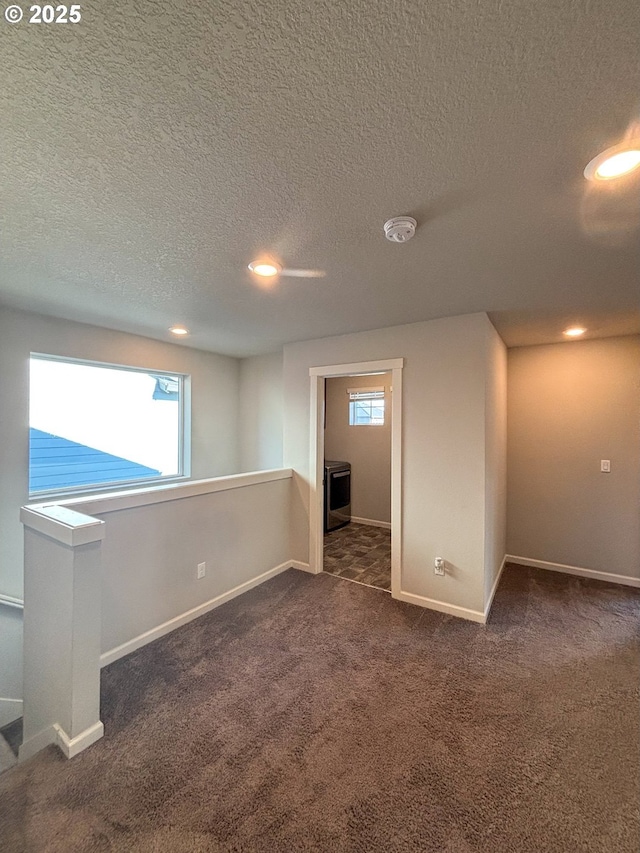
{"x":605,"y":466}
{"x":439,"y":566}
{"x":202,"y":570}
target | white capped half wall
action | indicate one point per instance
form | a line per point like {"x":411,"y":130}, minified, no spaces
{"x":214,"y":420}
{"x":237,"y":526}
{"x":143,"y":563}
{"x":214,"y":406}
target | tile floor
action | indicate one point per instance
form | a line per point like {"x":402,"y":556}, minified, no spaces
{"x":359,"y":553}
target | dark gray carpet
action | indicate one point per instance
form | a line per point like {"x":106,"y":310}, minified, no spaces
{"x":317,"y":715}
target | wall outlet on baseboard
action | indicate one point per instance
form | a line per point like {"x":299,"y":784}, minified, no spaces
{"x":439,"y":566}
{"x":202,"y":570}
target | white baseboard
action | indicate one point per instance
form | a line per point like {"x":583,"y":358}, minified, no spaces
{"x":626,"y":580}
{"x":304,"y":567}
{"x":72,"y":746}
{"x":177,"y":621}
{"x":442,"y":607}
{"x":10,"y":710}
{"x":371,"y":522}
{"x":56,"y":734}
{"x":487,"y":607}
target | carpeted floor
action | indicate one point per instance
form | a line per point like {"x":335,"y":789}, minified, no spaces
{"x":316,"y":715}
{"x":361,"y":553}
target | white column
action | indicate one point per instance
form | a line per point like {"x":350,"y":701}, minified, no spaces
{"x":62,"y":627}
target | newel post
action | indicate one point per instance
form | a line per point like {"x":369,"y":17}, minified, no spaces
{"x":62,"y":627}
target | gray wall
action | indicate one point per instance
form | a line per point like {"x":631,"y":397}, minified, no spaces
{"x":137,"y":584}
{"x":261,"y":412}
{"x":214,"y":415}
{"x":214,"y":435}
{"x":571,"y":405}
{"x":150,"y":553}
{"x":495,"y":462}
{"x":444,"y":463}
{"x":367,"y":448}
{"x":11,"y":620}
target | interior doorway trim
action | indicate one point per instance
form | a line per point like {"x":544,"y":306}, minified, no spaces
{"x":317,"y":375}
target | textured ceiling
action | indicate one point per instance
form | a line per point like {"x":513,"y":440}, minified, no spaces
{"x":151,"y":151}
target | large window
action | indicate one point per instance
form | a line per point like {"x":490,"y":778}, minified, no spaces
{"x":366,"y":406}
{"x":99,"y":425}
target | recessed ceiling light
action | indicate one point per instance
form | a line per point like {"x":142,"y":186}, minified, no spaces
{"x":614,"y":162}
{"x":265,"y":268}
{"x":574,"y":332}
{"x":179,"y":330}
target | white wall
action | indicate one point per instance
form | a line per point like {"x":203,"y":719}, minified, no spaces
{"x":214,"y":416}
{"x":367,"y":448}
{"x":495,"y":462}
{"x":61,"y":641}
{"x":214,"y":428}
{"x":150,"y":553}
{"x":261,"y":412}
{"x":444,"y":446}
{"x":127,"y":574}
{"x":10,"y":664}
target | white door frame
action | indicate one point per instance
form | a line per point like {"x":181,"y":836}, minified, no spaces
{"x":317,"y":375}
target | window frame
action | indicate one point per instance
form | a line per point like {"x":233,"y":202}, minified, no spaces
{"x":360,"y":395}
{"x":184,"y":432}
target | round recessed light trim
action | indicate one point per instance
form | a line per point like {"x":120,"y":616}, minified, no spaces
{"x":180,"y":331}
{"x":614,"y":162}
{"x":574,"y":331}
{"x":266,"y":269}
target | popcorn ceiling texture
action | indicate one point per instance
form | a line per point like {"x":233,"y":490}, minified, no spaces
{"x":152,"y":150}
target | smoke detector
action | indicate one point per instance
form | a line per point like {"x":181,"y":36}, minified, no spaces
{"x":400,"y":229}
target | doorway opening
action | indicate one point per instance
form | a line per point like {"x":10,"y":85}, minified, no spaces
{"x":355,"y":506}
{"x":357,"y":478}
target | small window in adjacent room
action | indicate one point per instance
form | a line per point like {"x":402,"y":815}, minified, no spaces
{"x":96,"y":425}
{"x":366,"y":406}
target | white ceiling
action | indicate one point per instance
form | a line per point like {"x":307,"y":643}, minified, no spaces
{"x":150,"y":152}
